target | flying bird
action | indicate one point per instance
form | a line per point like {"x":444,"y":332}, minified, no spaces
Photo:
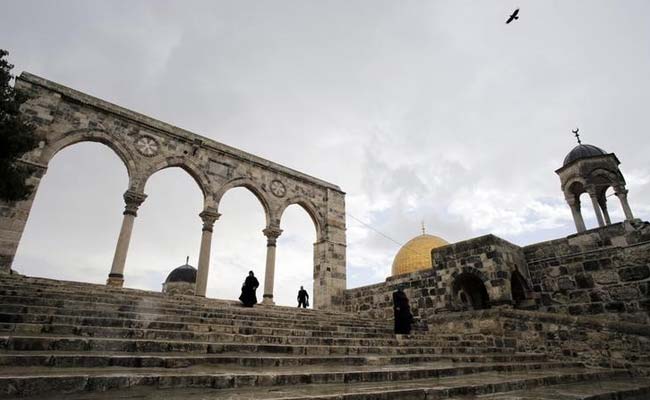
{"x":514,"y":16}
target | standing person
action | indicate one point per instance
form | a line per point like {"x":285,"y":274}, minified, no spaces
{"x":402,"y":311}
{"x":303,"y":298}
{"x":248,"y":297}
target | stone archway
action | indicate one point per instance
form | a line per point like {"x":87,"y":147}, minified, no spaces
{"x":470,"y":292}
{"x":64,"y":116}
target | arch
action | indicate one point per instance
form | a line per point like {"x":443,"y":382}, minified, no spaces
{"x":91,"y":135}
{"x":80,"y":210}
{"x":200,"y":177}
{"x":252,"y":186}
{"x":311,"y":210}
{"x":470,"y":292}
{"x":518,"y":287}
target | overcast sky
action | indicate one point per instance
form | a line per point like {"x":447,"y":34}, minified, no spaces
{"x":420,"y":110}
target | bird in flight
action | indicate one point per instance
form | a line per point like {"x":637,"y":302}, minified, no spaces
{"x":514,"y":16}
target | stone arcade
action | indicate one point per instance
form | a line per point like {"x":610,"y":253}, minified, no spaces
{"x":65,"y":117}
{"x":564,"y":319}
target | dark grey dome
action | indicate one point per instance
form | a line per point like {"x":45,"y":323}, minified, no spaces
{"x":583,"y":151}
{"x":184,"y":273}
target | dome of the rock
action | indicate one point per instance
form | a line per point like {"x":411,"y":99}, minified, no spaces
{"x":415,"y":255}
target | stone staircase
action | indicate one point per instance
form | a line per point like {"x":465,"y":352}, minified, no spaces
{"x":68,"y":340}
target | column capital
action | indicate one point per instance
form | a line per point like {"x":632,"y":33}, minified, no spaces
{"x":272,"y":234}
{"x":591,"y":190}
{"x":209,"y":217}
{"x":133,"y":201}
{"x":620,"y":191}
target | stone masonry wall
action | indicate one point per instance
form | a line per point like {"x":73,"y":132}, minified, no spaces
{"x":595,"y":341}
{"x":604,"y":271}
{"x":601,"y":271}
{"x":430,"y":291}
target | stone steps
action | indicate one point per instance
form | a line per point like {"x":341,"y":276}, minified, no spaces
{"x":444,"y":387}
{"x":47,"y":380}
{"x":68,"y":339}
{"x":148,"y":309}
{"x":75,"y":343}
{"x":212,"y":337}
{"x":637,"y":389}
{"x":182,"y":360}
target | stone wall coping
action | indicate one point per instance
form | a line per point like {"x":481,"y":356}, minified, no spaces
{"x":171,"y":130}
{"x":488,"y":239}
{"x":592,"y":323}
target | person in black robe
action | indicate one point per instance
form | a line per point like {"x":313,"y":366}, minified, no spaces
{"x":303,"y":298}
{"x":248,"y":297}
{"x":402,"y":310}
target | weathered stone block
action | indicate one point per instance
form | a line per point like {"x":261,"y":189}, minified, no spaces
{"x":635,"y":273}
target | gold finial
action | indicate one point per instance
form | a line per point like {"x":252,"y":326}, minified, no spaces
{"x":423,"y":231}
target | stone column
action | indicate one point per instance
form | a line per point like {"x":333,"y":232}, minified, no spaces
{"x":603,"y":206}
{"x":209,"y":217}
{"x":272,"y":233}
{"x":133,"y":201}
{"x":621,"y":193}
{"x":594,"y":201}
{"x":574,"y":203}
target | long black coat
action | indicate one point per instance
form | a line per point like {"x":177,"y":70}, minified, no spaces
{"x":248,"y":296}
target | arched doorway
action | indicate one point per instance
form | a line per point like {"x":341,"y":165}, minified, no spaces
{"x":518,"y":288}
{"x":75,"y":216}
{"x":167,"y":230}
{"x":295,"y":256}
{"x":470,"y":292}
{"x":238,"y":244}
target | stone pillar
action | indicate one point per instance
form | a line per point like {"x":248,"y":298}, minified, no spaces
{"x":594,"y":201}
{"x":13,"y":219}
{"x":329,"y":255}
{"x":621,"y":193}
{"x":133,"y":201}
{"x":603,"y":206}
{"x":574,"y":203}
{"x":272,"y":233}
{"x":209,"y":217}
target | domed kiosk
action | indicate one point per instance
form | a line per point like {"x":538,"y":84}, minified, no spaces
{"x":592,"y":170}
{"x":182,"y":280}
{"x":415,"y":255}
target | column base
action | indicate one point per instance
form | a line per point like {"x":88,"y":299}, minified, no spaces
{"x":115,"y":280}
{"x":268,"y":300}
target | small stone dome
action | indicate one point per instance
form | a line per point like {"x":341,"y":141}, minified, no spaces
{"x":184,"y":273}
{"x":415,"y":255}
{"x":583,"y":151}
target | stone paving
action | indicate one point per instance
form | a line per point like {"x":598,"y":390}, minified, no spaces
{"x":66,"y":340}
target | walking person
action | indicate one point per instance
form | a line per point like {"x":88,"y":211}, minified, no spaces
{"x":402,"y":312}
{"x":248,"y":297}
{"x":303,"y":298}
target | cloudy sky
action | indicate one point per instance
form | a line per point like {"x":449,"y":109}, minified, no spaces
{"x":419,"y":110}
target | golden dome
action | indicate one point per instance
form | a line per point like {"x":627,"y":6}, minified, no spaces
{"x":415,"y":255}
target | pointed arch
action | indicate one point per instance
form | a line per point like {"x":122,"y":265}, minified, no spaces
{"x":311,"y":210}
{"x":193,"y":169}
{"x":253,"y":187}
{"x":90,"y":135}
